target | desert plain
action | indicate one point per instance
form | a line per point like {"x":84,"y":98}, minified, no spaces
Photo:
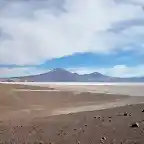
{"x":71,"y":114}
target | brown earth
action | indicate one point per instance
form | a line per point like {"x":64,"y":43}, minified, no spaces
{"x":26,"y":117}
{"x":20,"y":104}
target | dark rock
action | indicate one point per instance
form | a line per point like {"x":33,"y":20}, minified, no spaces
{"x":134,"y":125}
{"x":78,"y":142}
{"x":125,"y":114}
{"x":59,"y":134}
{"x":130,"y":114}
{"x":103,"y":138}
{"x":143,"y":110}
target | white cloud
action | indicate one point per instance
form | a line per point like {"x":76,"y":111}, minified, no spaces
{"x":136,"y":1}
{"x":14,"y":72}
{"x":115,"y":71}
{"x":38,"y":32}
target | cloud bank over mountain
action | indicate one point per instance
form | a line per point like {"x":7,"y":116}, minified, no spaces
{"x":35,"y":31}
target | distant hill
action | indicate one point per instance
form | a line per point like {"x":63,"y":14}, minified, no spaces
{"x":62,"y":75}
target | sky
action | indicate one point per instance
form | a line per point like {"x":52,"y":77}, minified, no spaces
{"x":81,"y":36}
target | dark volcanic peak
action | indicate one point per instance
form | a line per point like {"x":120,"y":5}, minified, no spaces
{"x":96,"y":74}
{"x":55,"y":75}
{"x":62,"y":75}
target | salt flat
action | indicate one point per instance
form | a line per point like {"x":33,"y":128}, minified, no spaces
{"x":75,"y":83}
{"x":132,"y":89}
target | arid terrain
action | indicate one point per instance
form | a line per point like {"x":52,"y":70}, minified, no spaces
{"x":52,"y":115}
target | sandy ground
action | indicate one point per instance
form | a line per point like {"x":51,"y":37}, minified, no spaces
{"x":20,"y":101}
{"x":110,"y":126}
{"x":57,"y":114}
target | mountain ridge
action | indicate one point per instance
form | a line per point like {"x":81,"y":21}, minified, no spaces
{"x":63,"y":75}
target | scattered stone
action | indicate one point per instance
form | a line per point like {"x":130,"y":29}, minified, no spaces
{"x":70,"y":114}
{"x":78,"y":142}
{"x":110,"y":117}
{"x":85,"y":125}
{"x":74,"y":129}
{"x":125,"y":114}
{"x":130,"y":114}
{"x":94,"y":117}
{"x":143,"y":110}
{"x":109,"y":120}
{"x":103,"y":138}
{"x":134,"y":125}
{"x":59,"y":134}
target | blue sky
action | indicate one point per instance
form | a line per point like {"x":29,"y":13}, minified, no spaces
{"x":79,"y":35}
